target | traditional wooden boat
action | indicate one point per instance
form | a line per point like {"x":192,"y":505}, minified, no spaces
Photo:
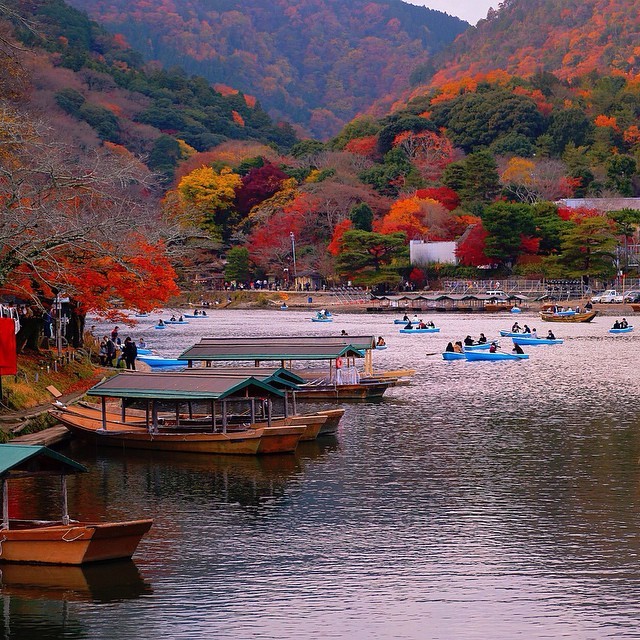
{"x":427,"y":330}
{"x":530,"y":340}
{"x":486,"y":355}
{"x":550,"y":316}
{"x":65,"y":541}
{"x":496,"y":306}
{"x":628,"y":329}
{"x":333,"y":420}
{"x":453,"y":355}
{"x":635,"y":308}
{"x":360,"y":391}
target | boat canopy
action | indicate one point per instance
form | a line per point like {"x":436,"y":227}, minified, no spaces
{"x":292,"y":349}
{"x":275,"y":376}
{"x":178,"y":386}
{"x":358,"y":342}
{"x":21,"y":460}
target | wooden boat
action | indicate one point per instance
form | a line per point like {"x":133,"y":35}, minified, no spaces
{"x":187,"y":440}
{"x":453,"y":355}
{"x":65,"y":541}
{"x":628,"y":329}
{"x":333,"y":417}
{"x":141,"y":315}
{"x":550,"y":316}
{"x":485,"y":355}
{"x":361,"y":391}
{"x":427,"y":330}
{"x":497,"y":306}
{"x":529,"y":340}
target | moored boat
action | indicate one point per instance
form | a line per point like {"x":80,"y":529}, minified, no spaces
{"x":59,"y":542}
{"x":530,"y":340}
{"x":550,"y":316}
{"x":496,"y":355}
{"x":157,"y":361}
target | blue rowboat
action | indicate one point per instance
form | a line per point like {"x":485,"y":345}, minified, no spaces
{"x":452,"y":355}
{"x":476,"y":347}
{"x":381,"y":347}
{"x":431,"y":330}
{"x":512,"y":334}
{"x":515,"y":309}
{"x":321,"y":319}
{"x":160,"y":326}
{"x":157,"y":361}
{"x":486,"y":355}
{"x":142,"y":351}
{"x":176,"y":322}
{"x":401,"y":322}
{"x":141,"y":315}
{"x":190,"y":315}
{"x":523,"y":340}
{"x":628,"y":329}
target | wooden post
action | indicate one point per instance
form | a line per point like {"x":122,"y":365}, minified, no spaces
{"x":253,"y":410}
{"x":146,"y":411}
{"x":224,"y":416}
{"x":104,"y":413}
{"x":123,"y":413}
{"x":65,"y":501}
{"x":213,"y":415}
{"x":154,"y":416}
{"x":269,"y":412}
{"x":177,"y":414}
{"x":286,"y":403}
{"x":5,"y":503}
{"x":295,"y":410}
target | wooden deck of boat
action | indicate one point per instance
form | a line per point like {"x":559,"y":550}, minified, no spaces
{"x":46,"y":437}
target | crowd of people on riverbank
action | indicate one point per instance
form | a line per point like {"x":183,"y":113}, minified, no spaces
{"x":113,"y":351}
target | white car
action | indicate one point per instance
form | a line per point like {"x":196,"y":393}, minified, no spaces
{"x":607,"y":297}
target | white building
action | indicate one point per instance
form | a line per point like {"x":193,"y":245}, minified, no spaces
{"x":421,"y":252}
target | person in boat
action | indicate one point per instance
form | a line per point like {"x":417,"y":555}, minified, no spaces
{"x":343,"y":333}
{"x":516,"y":328}
{"x":415,"y":319}
{"x":431,"y":325}
{"x":141,"y":343}
{"x":616,"y":325}
{"x":421,"y":325}
{"x":517,"y":348}
{"x":468,"y":341}
{"x":526,"y":329}
{"x":180,"y":319}
{"x":493,"y":348}
{"x":534,"y":333}
{"x":172,"y":319}
{"x":204,"y":313}
{"x":408,"y":325}
{"x":550,"y":335}
{"x":588,"y":306}
{"x":482,"y":339}
{"x":623,"y":323}
{"x":196,"y":313}
{"x":450,"y":348}
{"x":457,"y":347}
{"x":405,"y":318}
{"x":161,"y":322}
{"x":381,"y":342}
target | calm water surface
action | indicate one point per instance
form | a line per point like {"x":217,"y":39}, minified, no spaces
{"x":484,"y":500}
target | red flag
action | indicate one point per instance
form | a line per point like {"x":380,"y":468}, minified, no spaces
{"x":8,"y":355}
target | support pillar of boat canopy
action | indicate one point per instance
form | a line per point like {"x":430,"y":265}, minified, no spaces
{"x":5,"y":504}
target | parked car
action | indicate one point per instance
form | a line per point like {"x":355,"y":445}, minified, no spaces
{"x":632,"y":296}
{"x":607,"y":297}
{"x":498,"y":294}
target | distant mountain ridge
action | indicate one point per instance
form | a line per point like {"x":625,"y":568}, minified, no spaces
{"x":317,"y":63}
{"x":568,"y":38}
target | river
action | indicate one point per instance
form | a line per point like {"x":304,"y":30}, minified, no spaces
{"x":483,"y":500}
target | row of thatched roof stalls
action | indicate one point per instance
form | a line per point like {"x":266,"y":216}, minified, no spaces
{"x":219,"y":393}
{"x":439,"y":301}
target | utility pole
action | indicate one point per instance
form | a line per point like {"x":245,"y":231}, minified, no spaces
{"x":293,"y":251}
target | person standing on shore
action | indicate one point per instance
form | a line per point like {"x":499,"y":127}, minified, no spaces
{"x":129,"y":353}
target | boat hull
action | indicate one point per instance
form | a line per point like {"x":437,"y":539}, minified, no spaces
{"x":344,"y":391}
{"x":157,"y":361}
{"x":576,"y":317}
{"x":535,"y":341}
{"x":477,"y":347}
{"x":625,"y":330}
{"x":333,"y":417}
{"x":321,"y":319}
{"x":483,"y":355}
{"x":453,"y":355}
{"x":280,"y":439}
{"x":73,"y":544}
{"x":434,"y":330}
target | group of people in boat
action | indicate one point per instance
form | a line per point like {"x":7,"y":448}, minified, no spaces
{"x":174,"y":319}
{"x":380,"y":342}
{"x":620,"y":324}
{"x":417,"y":323}
{"x":197,"y":312}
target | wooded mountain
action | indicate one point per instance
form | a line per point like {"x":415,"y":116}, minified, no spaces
{"x":568,"y":38}
{"x":315,"y":62}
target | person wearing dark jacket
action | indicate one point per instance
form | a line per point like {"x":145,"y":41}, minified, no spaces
{"x":130,"y":353}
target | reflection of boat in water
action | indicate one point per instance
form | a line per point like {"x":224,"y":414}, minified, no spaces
{"x":63,"y":541}
{"x":98,"y":582}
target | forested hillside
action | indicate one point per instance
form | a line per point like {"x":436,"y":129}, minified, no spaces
{"x":568,"y":38}
{"x":313,"y":62}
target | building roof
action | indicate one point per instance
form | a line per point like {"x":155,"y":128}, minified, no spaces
{"x":197,"y":385}
{"x":21,"y":460}
{"x":359,"y":342}
{"x":275,"y":376}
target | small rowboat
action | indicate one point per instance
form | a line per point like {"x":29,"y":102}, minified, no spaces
{"x":141,"y":315}
{"x":381,"y":347}
{"x":142,"y":351}
{"x":160,"y":326}
{"x":477,"y":347}
{"x":523,"y":340}
{"x":486,"y":355}
{"x":157,"y":361}
{"x":401,"y":321}
{"x":512,"y":334}
{"x":176,"y":322}
{"x":567,"y":316}
{"x":428,"y":330}
{"x":628,"y":329}
{"x":191,"y":315}
{"x":453,"y":355}
{"x":321,"y":319}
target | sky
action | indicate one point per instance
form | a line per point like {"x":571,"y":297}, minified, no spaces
{"x":469,"y":10}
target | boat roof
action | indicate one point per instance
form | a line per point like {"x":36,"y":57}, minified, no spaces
{"x":291,"y":349}
{"x":171,"y":385}
{"x":277,"y":376}
{"x":359,"y":342}
{"x":23,"y":460}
